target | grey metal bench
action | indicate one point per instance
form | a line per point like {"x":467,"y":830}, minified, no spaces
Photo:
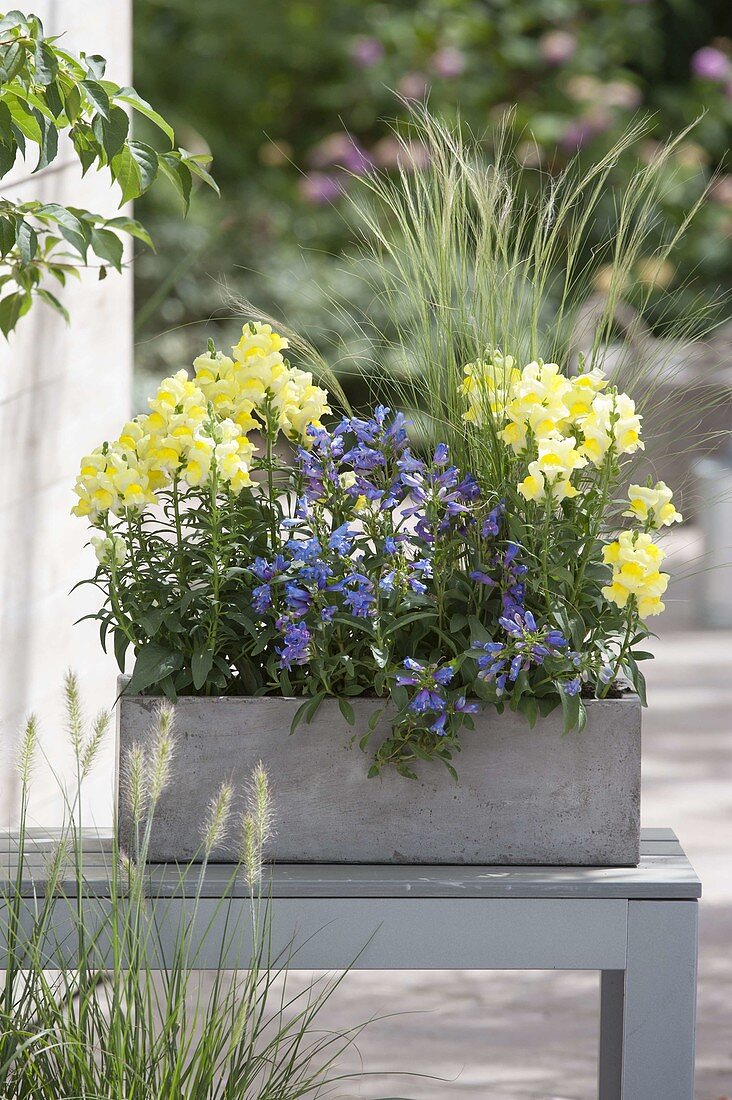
{"x":637,"y":925}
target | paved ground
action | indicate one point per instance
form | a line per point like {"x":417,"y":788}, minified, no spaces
{"x":505,"y":1036}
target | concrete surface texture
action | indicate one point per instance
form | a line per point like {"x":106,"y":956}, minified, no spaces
{"x":524,"y":796}
{"x":63,"y":389}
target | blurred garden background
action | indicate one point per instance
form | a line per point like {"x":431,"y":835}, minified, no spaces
{"x":294,"y":99}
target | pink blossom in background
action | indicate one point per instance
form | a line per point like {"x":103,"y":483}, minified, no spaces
{"x":410,"y":156}
{"x":620,"y":93}
{"x":366,"y":51}
{"x":557,"y":47}
{"x":413,"y":86}
{"x":576,"y":134}
{"x":710,"y":64}
{"x":448,"y":62}
{"x":320,"y":188}
{"x":722,"y":190}
{"x":342,"y":149}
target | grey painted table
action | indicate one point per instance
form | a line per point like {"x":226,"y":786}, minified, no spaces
{"x":638,"y":926}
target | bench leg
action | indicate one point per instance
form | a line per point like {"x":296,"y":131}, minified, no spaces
{"x":647,"y":1012}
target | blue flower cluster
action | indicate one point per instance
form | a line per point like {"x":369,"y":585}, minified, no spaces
{"x":526,"y":646}
{"x":370,"y":460}
{"x":430,"y":697}
{"x":359,"y":458}
{"x":372,"y":527}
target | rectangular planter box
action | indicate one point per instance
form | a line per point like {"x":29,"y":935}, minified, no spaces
{"x":523,"y":797}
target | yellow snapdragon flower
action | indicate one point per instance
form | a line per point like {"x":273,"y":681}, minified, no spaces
{"x":110,"y":549}
{"x":652,"y":506}
{"x":233,"y":453}
{"x":301,"y":405}
{"x":486,"y":385}
{"x":111,"y":480}
{"x":194,"y":422}
{"x":635,"y":560}
{"x":584,"y":388}
{"x":550,"y":473}
{"x":611,"y":421}
{"x":537,"y":404}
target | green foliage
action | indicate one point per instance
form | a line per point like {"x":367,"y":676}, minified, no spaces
{"x":325,"y":76}
{"x":120,"y":1013}
{"x":46,"y":93}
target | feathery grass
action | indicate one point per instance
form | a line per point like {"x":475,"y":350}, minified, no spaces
{"x":101,"y":996}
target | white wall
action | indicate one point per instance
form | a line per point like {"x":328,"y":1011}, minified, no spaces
{"x":63,"y":389}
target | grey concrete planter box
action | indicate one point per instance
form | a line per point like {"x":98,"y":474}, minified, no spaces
{"x":524,"y":796}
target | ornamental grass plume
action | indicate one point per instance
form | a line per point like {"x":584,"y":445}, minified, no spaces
{"x":114,"y":1006}
{"x":217,"y":820}
{"x":160,"y":754}
{"x":256,"y":826}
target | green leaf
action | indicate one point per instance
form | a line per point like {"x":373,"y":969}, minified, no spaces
{"x":405,"y":620}
{"x":26,"y":239}
{"x":71,"y":227}
{"x":53,"y":302}
{"x":570,"y":710}
{"x":178,"y":174}
{"x":154,"y":662}
{"x":111,"y":132}
{"x":10,"y":307}
{"x":478,"y":632}
{"x":374,"y":719}
{"x":72,"y":101}
{"x":86,"y":147}
{"x":201,"y":663}
{"x":298,"y":716}
{"x":13,"y":19}
{"x":96,"y":65}
{"x":582,"y":717}
{"x":49,"y":144}
{"x":7,"y":236}
{"x":126,"y":172}
{"x":46,"y":63}
{"x":98,"y":97}
{"x":6,"y":125}
{"x":54,"y":99}
{"x":8,"y":153}
{"x":147,"y":162}
{"x":25,"y":119}
{"x":530,"y":708}
{"x":14,"y":58}
{"x":314,"y":706}
{"x":107,"y":246}
{"x":134,"y":228}
{"x":130,"y":96}
{"x":347,"y":711}
{"x":197,"y":164}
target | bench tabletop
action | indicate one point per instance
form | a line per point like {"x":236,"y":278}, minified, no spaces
{"x":664,"y":872}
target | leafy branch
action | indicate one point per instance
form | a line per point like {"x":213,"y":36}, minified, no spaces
{"x":46,"y":92}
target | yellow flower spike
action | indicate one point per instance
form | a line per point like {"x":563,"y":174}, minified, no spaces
{"x":635,"y":559}
{"x":616,"y":593}
{"x":559,"y":455}
{"x":652,"y":506}
{"x":487,"y":384}
{"x":532,"y":487}
{"x":650,"y":605}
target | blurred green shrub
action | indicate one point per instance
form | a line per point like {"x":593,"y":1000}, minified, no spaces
{"x":291,"y":97}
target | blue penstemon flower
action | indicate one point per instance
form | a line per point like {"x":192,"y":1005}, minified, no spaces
{"x":431,"y":705}
{"x":527,"y":646}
